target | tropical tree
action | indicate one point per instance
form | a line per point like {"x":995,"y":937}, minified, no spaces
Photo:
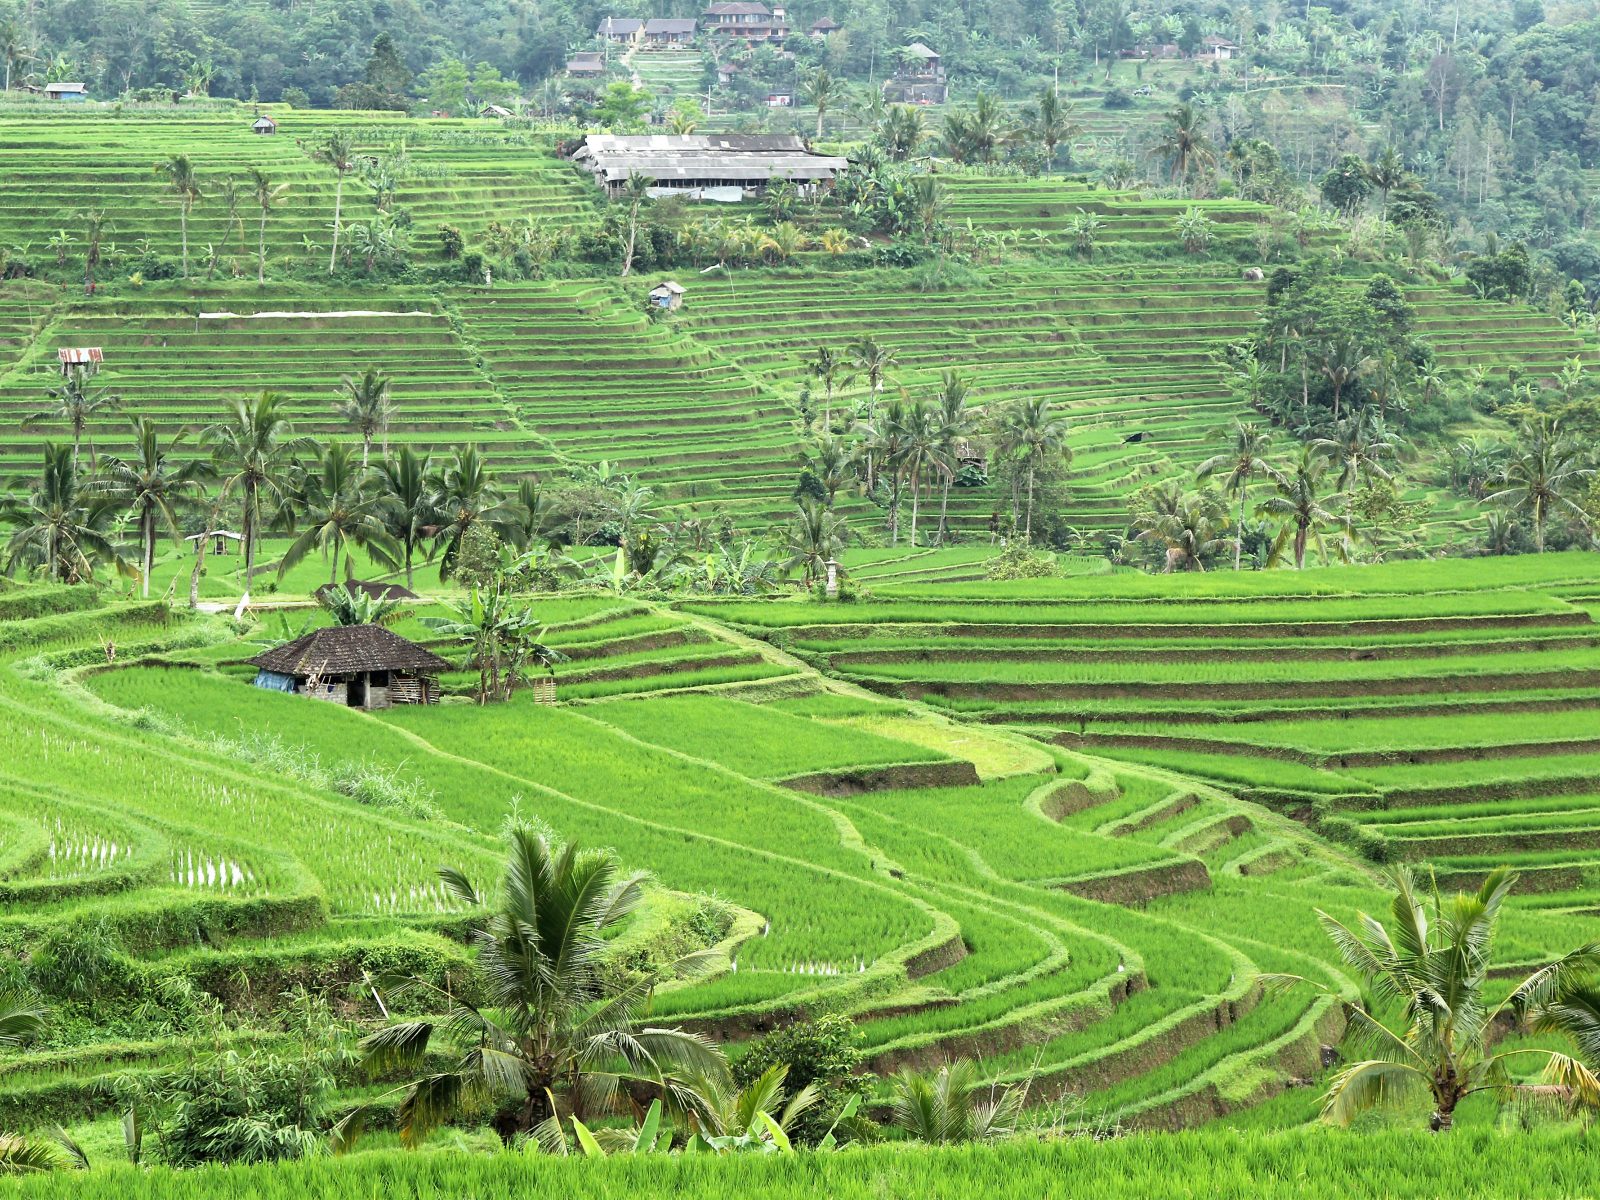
{"x":339,"y":509}
{"x":900,"y":131}
{"x":1050,"y":122}
{"x":13,"y":46}
{"x":22,"y":1019}
{"x":872,"y":361}
{"x":1033,"y":436}
{"x":267,"y":194}
{"x":1187,"y":526}
{"x":1359,"y":444}
{"x":830,"y":462}
{"x":1195,"y":229}
{"x":73,"y":404}
{"x":338,"y":150}
{"x":54,"y":522}
{"x":229,"y":193}
{"x":1344,"y":361}
{"x":353,"y":606}
{"x":154,"y":488}
{"x":1544,"y":470}
{"x":551,"y":1026}
{"x":978,"y":133}
{"x":1432,"y":963}
{"x":184,"y":185}
{"x":954,"y":1105}
{"x":1243,"y":461}
{"x":820,"y":90}
{"x":1184,"y":144}
{"x":253,"y":453}
{"x":366,"y":405}
{"x":923,"y":451}
{"x":813,"y":536}
{"x":956,"y":426}
{"x":466,"y":494}
{"x":404,"y":483}
{"x":1300,"y":503}
{"x":503,"y":635}
{"x":636,"y":194}
{"x":94,"y":233}
{"x":1387,"y":172}
{"x":1084,"y":230}
{"x":829,"y":367}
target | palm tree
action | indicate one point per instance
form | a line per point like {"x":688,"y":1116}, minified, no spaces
{"x":267,"y":194}
{"x":53,"y":521}
{"x":94,"y":232}
{"x":901,"y":131}
{"x":754,"y":1116}
{"x":1051,"y":122}
{"x":1387,"y":172}
{"x":813,"y":536}
{"x":253,"y":452}
{"x":551,"y":1025}
{"x":153,"y":488}
{"x":819,"y":91}
{"x":1300,"y":503}
{"x":873,"y":361}
{"x":1344,"y":361}
{"x":73,"y":404}
{"x":830,"y":462}
{"x":366,"y":406}
{"x":353,"y":606}
{"x":465,"y":494}
{"x":951,"y":1105}
{"x":828,"y":365}
{"x":13,"y":46}
{"x":636,"y":192}
{"x":405,"y":489}
{"x":1184,"y":144}
{"x":184,"y":184}
{"x":1186,"y":525}
{"x":1033,"y":436}
{"x":1434,"y":966}
{"x":955,"y":430}
{"x":923,"y":451}
{"x":1244,"y":460}
{"x":22,"y":1018}
{"x":230,"y":194}
{"x":338,"y":151}
{"x":1543,"y":470}
{"x":341,"y":514}
{"x":1359,"y":444}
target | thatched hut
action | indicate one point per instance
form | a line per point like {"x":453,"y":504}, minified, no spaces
{"x":358,"y":666}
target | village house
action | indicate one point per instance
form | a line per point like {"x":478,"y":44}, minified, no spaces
{"x":357,"y":666}
{"x":723,"y":167}
{"x":823,"y":26}
{"x":669,"y":31}
{"x":919,"y":79}
{"x":750,"y":23}
{"x":1219,"y":48}
{"x":67,"y":93}
{"x":624,"y":31}
{"x":587,"y":64}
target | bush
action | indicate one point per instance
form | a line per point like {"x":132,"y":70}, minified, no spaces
{"x":825,"y":1054}
{"x":1117,"y":98}
{"x":1019,"y":560}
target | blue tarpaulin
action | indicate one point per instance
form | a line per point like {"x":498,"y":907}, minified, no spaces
{"x":274,"y":682}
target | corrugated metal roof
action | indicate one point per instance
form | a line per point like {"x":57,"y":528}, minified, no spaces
{"x":77,"y":356}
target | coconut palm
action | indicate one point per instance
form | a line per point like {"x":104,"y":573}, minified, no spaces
{"x":551,"y":1025}
{"x":1433,"y":962}
{"x":636,"y":194}
{"x":830,"y":462}
{"x":813,"y":535}
{"x":338,"y":151}
{"x":366,"y":405}
{"x":954,"y":1105}
{"x":54,"y":522}
{"x":1387,"y":172}
{"x":154,"y":488}
{"x":466,"y":494}
{"x":253,"y":453}
{"x":1050,"y":122}
{"x":94,"y":234}
{"x":339,"y":508}
{"x":13,"y":46}
{"x":1543,"y":471}
{"x":956,"y":426}
{"x":759,"y":1115}
{"x":1244,"y":460}
{"x":829,"y":366}
{"x":924,"y":452}
{"x":1033,"y":436}
{"x":407,"y":507}
{"x":1300,"y":504}
{"x":73,"y":404}
{"x":184,"y":185}
{"x":1188,"y":526}
{"x":267,"y":194}
{"x":820,"y":90}
{"x":1359,"y":444}
{"x":872,"y":361}
{"x":22,"y":1019}
{"x":901,"y":131}
{"x":1183,"y":143}
{"x":1344,"y":361}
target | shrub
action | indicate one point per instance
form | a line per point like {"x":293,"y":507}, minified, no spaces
{"x":824,"y":1054}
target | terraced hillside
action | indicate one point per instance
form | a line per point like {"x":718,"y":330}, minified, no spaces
{"x":182,"y":362}
{"x":1094,"y":926}
{"x":1432,"y":712}
{"x":465,"y":173}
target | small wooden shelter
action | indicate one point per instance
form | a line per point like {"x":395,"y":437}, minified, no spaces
{"x":219,"y":539}
{"x":264,"y":125}
{"x":86,"y":359}
{"x":357,"y":666}
{"x":667,"y":295}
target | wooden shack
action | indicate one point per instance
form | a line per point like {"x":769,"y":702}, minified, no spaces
{"x":264,"y":126}
{"x":667,"y":295}
{"x":357,"y":666}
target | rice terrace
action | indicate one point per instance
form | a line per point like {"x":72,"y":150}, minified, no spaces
{"x":608,"y":599}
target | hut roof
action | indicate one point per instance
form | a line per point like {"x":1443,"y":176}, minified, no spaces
{"x":264,"y":122}
{"x":345,"y":649}
{"x":619,"y":27}
{"x":670,"y":25}
{"x":670,"y":285}
{"x":79,"y":356}
{"x":60,"y":88}
{"x":378,"y":591}
{"x":918,"y":50}
{"x":704,"y":156}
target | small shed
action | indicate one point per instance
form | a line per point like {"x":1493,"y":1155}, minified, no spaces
{"x":219,"y":539}
{"x":667,"y":295}
{"x":495,"y":110}
{"x":823,"y":26}
{"x":67,"y":93}
{"x":780,"y":99}
{"x":357,"y":666}
{"x":86,"y":359}
{"x":264,"y":125}
{"x":586,"y":63}
{"x":1217,"y":48}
